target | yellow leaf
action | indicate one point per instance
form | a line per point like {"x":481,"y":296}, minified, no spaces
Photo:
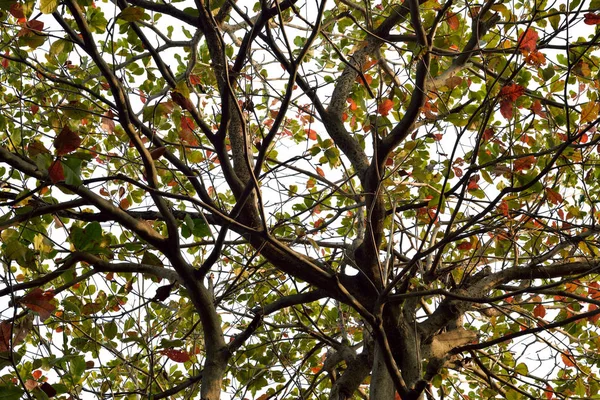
{"x":589,"y":112}
{"x":48,"y":6}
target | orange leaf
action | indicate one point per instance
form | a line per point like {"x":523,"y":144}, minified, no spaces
{"x":503,"y":208}
{"x":536,"y":58}
{"x":452,"y":20}
{"x":56,"y":172}
{"x":37,"y":374}
{"x":19,"y":333}
{"x":367,"y":81}
{"x":176,"y":355}
{"x":124,"y":204}
{"x":523,"y":163}
{"x":369,"y":64}
{"x":66,"y":141}
{"x":39,"y":301}
{"x":320,"y":171}
{"x":312,"y":134}
{"x":195,"y":80}
{"x":591,"y":19}
{"x":385,"y":106}
{"x":528,"y":40}
{"x":553,"y":196}
{"x":549,"y":392}
{"x":5,"y":61}
{"x":353,"y":106}
{"x":539,"y":311}
{"x":567,"y":359}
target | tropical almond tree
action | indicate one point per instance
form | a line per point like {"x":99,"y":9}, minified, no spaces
{"x":299,"y":199}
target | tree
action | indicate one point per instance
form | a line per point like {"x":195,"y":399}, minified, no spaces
{"x":328,"y":199}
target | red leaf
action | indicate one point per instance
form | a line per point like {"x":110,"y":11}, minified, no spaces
{"x":506,"y":109}
{"x":464,"y":246}
{"x":33,"y":27}
{"x":539,"y":311}
{"x":19,"y":332}
{"x":528,"y":40}
{"x":385,"y":106}
{"x":66,"y":142}
{"x":488,"y":134}
{"x":56,"y":172}
{"x":536,"y":107}
{"x":5,"y":61}
{"x":182,"y":101}
{"x":553,"y":196}
{"x":48,"y":389}
{"x":567,"y":359}
{"x":312,"y":134}
{"x":452,"y":20}
{"x":591,"y":19}
{"x":37,"y":374}
{"x":187,"y":124}
{"x":39,"y":301}
{"x":107,"y":122}
{"x":524,"y":163}
{"x":176,"y":355}
{"x":503,"y":208}
{"x":124,"y":204}
{"x":512,"y":92}
{"x":473,"y":185}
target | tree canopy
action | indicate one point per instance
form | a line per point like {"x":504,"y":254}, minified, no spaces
{"x":326,"y":199}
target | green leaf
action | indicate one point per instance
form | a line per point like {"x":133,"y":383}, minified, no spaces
{"x":132,"y":14}
{"x":10,"y":392}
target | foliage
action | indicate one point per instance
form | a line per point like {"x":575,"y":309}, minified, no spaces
{"x":282,"y":200}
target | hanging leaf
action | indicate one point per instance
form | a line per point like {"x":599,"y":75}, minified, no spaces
{"x":158,"y":152}
{"x":539,"y":311}
{"x":107,"y":122}
{"x":589,"y":112}
{"x":38,"y":301}
{"x":56,"y":172}
{"x":48,"y":6}
{"x":523,"y":163}
{"x":312,"y":134}
{"x":452,"y":20}
{"x":182,"y":101}
{"x":553,"y":196}
{"x":66,"y":142}
{"x":512,"y":92}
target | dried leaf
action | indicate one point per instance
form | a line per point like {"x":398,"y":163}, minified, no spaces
{"x":553,"y":196}
{"x":320,"y":171}
{"x":182,"y":101}
{"x":158,"y":152}
{"x":107,"y":122}
{"x":539,"y":311}
{"x":512,"y":92}
{"x":66,"y":141}
{"x":38,"y":301}
{"x":523,"y":163}
{"x":589,"y":112}
{"x":536,"y":107}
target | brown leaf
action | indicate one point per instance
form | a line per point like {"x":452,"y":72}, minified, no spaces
{"x":506,"y":109}
{"x":48,"y":389}
{"x":16,"y":10}
{"x":67,"y":141}
{"x":158,"y":152}
{"x":523,"y":163}
{"x":182,"y":101}
{"x":553,"y":196}
{"x":512,"y":92}
{"x":38,"y":301}
{"x":320,"y":171}
{"x":107,"y":122}
{"x":539,"y":311}
{"x":536,"y":107}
